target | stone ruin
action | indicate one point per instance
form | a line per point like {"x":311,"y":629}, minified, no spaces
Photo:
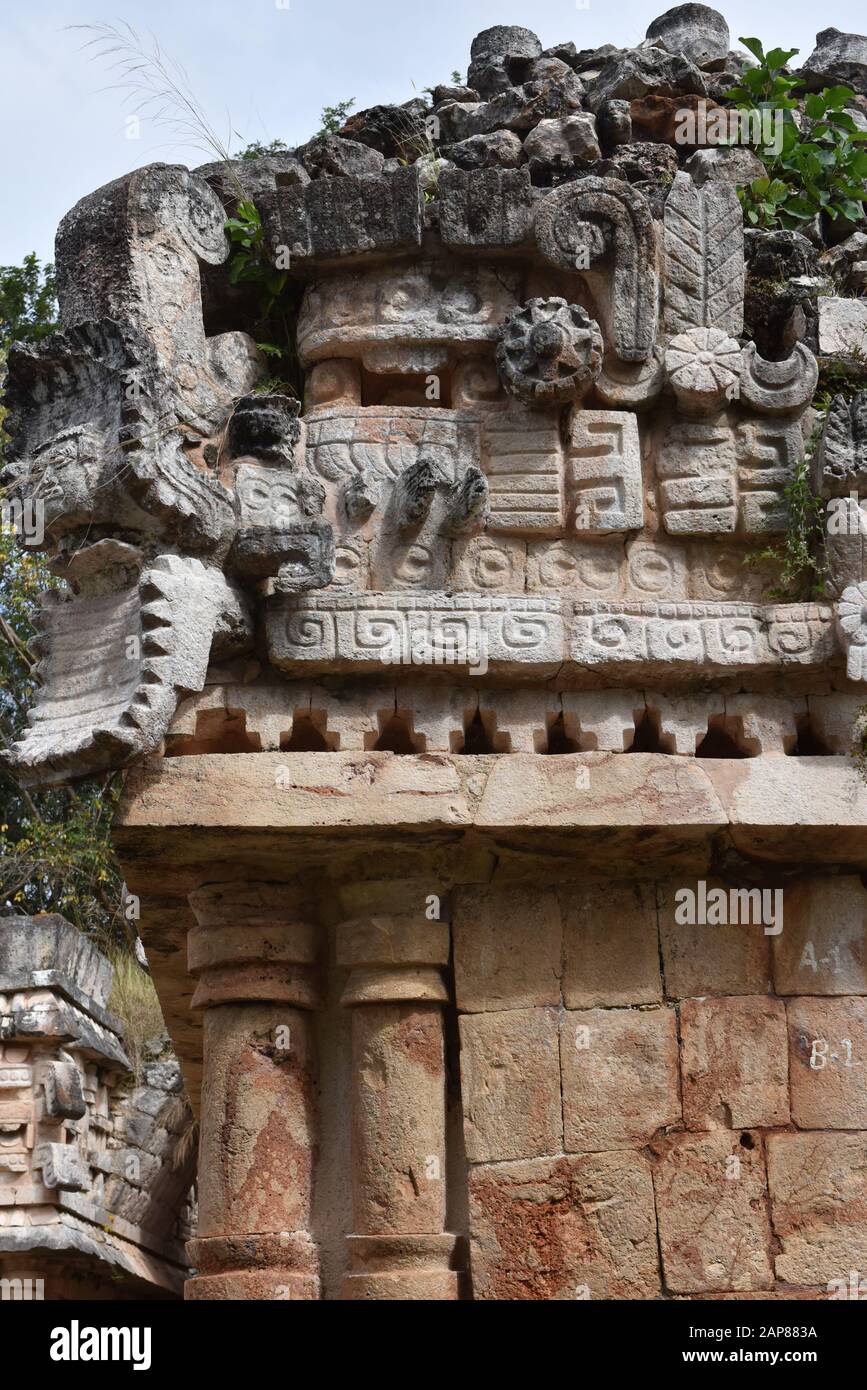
{"x":95,"y":1186}
{"x":437,"y":696}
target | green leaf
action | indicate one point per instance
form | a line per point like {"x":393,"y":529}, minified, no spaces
{"x":836,"y":96}
{"x":815,"y":106}
{"x":754,"y":46}
{"x":851,"y":210}
{"x":799,"y":207}
{"x":779,"y":57}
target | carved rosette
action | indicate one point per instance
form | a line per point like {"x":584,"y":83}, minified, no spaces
{"x":549,"y":352}
{"x":703,"y":366}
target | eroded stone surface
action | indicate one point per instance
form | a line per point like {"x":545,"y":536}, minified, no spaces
{"x":564,"y":1228}
{"x":510,"y":1069}
{"x":620,"y":1082}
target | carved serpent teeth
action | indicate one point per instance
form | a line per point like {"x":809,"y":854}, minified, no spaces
{"x":549,"y":352}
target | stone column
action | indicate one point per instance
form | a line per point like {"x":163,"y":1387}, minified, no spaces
{"x":253,"y":954}
{"x":396,"y":990}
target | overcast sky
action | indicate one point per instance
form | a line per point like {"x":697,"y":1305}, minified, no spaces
{"x":266,"y":68}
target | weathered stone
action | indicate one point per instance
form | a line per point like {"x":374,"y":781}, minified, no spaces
{"x":335,"y":157}
{"x":614,"y":123}
{"x":501,"y":57}
{"x":580,"y":223}
{"x":507,"y":949}
{"x":734,"y":164}
{"x":549,"y":352}
{"x":564,"y":1228}
{"x":610,"y":947}
{"x":696,"y":31}
{"x":329,"y":219}
{"x":556,"y":146}
{"x":823,"y":947}
{"x":502,"y":150}
{"x":266,"y":427}
{"x":837,"y":58}
{"x":395,"y":131}
{"x":818,"y":1190}
{"x":620,"y":1082}
{"x":734,"y":1063}
{"x":510,"y":1076}
{"x":827,"y":1045}
{"x":840,"y":465}
{"x":492,"y":208}
{"x":843,"y":327}
{"x":711,"y":1205}
{"x":635,"y":72}
{"x":711,"y":959}
{"x":704,"y":258}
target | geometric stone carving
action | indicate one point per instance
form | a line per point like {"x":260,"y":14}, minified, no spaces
{"x":404,"y":321}
{"x":523,"y":460}
{"x":332,"y":218}
{"x":603,"y":471}
{"x":697,"y":472}
{"x":704,"y":258}
{"x":91,"y":1175}
{"x":61,"y":1082}
{"x":342,"y":632}
{"x":113,"y":664}
{"x":549,"y":351}
{"x":840,"y":464}
{"x":778,"y":388}
{"x":130,"y":252}
{"x":62,"y":1166}
{"x":715,"y":478}
{"x":594,"y":220}
{"x":659,"y":638}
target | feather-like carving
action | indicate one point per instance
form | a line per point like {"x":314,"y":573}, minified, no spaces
{"x":704,"y":257}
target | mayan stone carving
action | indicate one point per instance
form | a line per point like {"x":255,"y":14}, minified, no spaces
{"x":478,"y":684}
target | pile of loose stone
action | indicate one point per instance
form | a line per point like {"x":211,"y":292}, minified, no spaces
{"x":565,"y":114}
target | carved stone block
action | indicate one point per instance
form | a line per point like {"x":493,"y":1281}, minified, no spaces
{"x":603,"y":471}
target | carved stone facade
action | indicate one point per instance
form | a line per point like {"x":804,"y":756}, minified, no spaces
{"x":439,"y":691}
{"x":93,"y":1203}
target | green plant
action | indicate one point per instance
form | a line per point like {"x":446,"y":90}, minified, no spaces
{"x":821,"y":168}
{"x":333,"y":117}
{"x":800,"y":557}
{"x":256,"y":150}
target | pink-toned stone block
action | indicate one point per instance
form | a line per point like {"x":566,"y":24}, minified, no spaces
{"x":711,"y":1205}
{"x":734,"y":1062}
{"x":510,"y":1081}
{"x":822,"y":948}
{"x":711,"y":959}
{"x":564,"y":1229}
{"x":507,"y":947}
{"x":828,"y":1062}
{"x":818,"y":1190}
{"x":610,"y":946}
{"x":620,"y":1083}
